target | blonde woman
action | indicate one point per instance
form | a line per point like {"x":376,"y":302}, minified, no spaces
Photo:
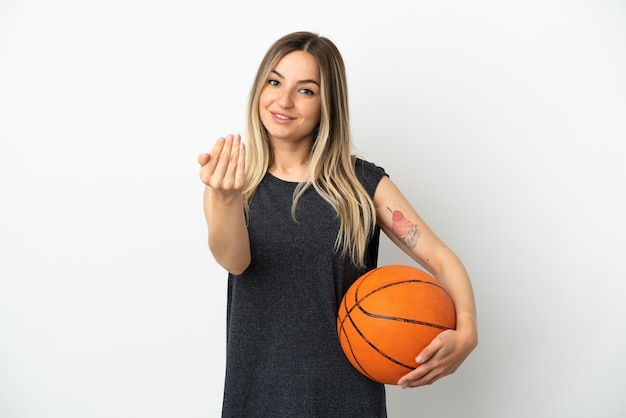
{"x":295,"y":219}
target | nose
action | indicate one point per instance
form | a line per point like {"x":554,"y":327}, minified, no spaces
{"x":285,"y":100}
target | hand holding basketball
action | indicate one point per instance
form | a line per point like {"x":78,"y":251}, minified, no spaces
{"x":441,"y":357}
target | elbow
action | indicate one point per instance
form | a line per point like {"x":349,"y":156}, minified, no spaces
{"x":238,"y":269}
{"x":235,"y":265}
{"x":233,"y":257}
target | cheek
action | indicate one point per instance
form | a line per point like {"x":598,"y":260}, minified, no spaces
{"x":265,"y":101}
{"x":264,"y":98}
{"x":315,"y":115}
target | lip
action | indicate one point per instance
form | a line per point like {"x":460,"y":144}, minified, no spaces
{"x":281,"y":117}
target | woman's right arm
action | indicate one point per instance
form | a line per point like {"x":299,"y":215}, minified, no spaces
{"x":223,"y":172}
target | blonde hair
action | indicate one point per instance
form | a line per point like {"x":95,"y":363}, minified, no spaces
{"x":331,"y":165}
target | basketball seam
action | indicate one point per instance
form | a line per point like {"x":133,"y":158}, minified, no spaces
{"x":385,"y":355}
{"x":370,"y":314}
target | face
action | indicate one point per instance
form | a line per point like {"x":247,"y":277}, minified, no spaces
{"x":290,"y":101}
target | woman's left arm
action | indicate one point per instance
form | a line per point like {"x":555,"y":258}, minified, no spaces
{"x":397,"y":218}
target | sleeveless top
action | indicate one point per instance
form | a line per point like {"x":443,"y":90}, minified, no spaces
{"x":283,"y":356}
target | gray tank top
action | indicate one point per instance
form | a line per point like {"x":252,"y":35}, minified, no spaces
{"x":283,"y":354}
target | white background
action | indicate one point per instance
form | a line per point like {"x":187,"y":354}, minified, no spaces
{"x":503,"y":122}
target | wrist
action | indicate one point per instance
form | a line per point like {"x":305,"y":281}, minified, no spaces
{"x":467,"y":326}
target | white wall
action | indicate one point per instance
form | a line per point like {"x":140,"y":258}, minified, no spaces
{"x":503,"y":123}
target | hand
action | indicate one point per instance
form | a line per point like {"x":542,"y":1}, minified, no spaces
{"x":441,"y":357}
{"x":223,"y":169}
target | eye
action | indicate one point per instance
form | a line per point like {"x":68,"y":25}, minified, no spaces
{"x":273,"y":82}
{"x":306,"y":91}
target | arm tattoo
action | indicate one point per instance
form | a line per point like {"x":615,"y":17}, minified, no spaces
{"x":404,"y":228}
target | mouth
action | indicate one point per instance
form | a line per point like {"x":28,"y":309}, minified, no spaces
{"x":281,"y":117}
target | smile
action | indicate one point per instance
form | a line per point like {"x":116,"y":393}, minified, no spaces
{"x":281,"y":117}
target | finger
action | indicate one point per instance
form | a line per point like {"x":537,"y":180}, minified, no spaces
{"x":423,"y":375}
{"x":233,"y":162}
{"x":224,"y":158}
{"x":429,"y":351}
{"x":240,"y":178}
{"x":208,"y":169}
{"x":215,"y":154}
{"x":425,"y":380}
{"x":413,"y":376}
{"x":424,"y":359}
{"x":203,"y":159}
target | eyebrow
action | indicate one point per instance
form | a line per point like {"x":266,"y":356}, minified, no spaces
{"x":299,"y":82}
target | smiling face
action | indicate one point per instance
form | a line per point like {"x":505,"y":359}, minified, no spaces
{"x":290,"y":101}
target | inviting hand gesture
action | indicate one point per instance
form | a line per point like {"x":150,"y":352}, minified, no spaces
{"x":223,"y":169}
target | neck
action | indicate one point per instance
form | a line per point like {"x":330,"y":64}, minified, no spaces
{"x":290,"y":170}
{"x":290,"y":161}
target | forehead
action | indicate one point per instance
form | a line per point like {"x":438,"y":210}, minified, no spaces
{"x":300,"y":65}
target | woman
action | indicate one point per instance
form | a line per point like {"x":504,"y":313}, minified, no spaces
{"x":295,"y":219}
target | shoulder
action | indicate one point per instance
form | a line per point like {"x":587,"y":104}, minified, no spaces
{"x":369,"y":174}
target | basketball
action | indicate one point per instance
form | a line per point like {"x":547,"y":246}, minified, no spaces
{"x":388,"y":316}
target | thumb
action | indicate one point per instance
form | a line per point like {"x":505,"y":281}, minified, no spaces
{"x":203,"y":159}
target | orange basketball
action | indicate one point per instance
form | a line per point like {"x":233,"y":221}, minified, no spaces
{"x":388,"y":316}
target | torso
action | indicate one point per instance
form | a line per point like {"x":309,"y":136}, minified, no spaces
{"x":283,"y":354}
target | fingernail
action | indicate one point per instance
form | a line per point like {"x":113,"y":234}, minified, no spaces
{"x":419,"y":359}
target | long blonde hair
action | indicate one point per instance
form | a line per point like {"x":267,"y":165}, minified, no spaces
{"x":331,"y":164}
